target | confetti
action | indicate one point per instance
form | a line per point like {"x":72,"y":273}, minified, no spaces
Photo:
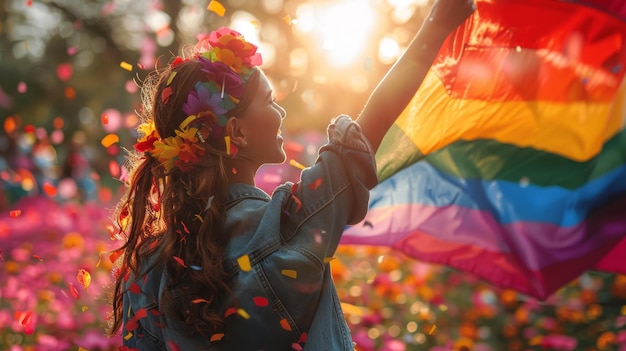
{"x":70,"y":93}
{"x":84,"y":278}
{"x":22,"y":87}
{"x":298,"y":202}
{"x":260,"y":301}
{"x":209,"y":202}
{"x":243,"y":313}
{"x":195,"y":268}
{"x":134,"y":288}
{"x":165,"y":94}
{"x":296,"y":164}
{"x":217,"y":337}
{"x":227,"y":142}
{"x":105,"y":119}
{"x":217,"y":8}
{"x":303,"y":338}
{"x":23,"y":318}
{"x":15,"y":213}
{"x":244,"y":263}
{"x":171,"y":78}
{"x":49,"y":189}
{"x":315,"y":184}
{"x":284,"y":323}
{"x":296,"y":347}
{"x":132,"y":324}
{"x":38,"y":258}
{"x":126,"y":66}
{"x":128,"y":336}
{"x":432,"y":329}
{"x":230,"y":311}
{"x":173,"y":346}
{"x":180,"y":261}
{"x":200,"y":301}
{"x":289,"y":273}
{"x":73,"y":291}
{"x":64,"y":71}
{"x":109,"y":140}
{"x":287,"y":19}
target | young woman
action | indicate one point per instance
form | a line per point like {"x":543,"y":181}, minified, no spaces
{"x":211,"y":262}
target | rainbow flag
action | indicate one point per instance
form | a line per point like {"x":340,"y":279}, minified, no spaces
{"x":510,"y":161}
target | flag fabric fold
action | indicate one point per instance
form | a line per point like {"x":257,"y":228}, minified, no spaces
{"x":510,"y":161}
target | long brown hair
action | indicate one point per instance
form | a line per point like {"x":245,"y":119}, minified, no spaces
{"x":177,"y":214}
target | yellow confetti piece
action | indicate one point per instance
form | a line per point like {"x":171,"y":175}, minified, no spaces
{"x":328,"y":259}
{"x":296,"y":164}
{"x":289,"y":273}
{"x":128,"y":336}
{"x":287,"y":19}
{"x":353,"y":309}
{"x":217,"y":7}
{"x":84,"y":308}
{"x":199,"y":218}
{"x":82,"y":349}
{"x":227,"y":142}
{"x":84,"y":278}
{"x":432,"y":330}
{"x":109,"y":140}
{"x":243,"y":313}
{"x":244,"y":263}
{"x":171,"y":78}
{"x":126,"y":66}
{"x":217,"y":337}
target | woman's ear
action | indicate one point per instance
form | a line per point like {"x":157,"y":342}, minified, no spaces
{"x":234,"y":129}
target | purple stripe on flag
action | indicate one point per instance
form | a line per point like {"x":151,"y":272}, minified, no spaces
{"x":533,"y":245}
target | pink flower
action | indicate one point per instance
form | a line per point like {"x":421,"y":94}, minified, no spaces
{"x":559,"y":342}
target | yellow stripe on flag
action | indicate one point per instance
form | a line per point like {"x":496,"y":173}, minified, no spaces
{"x":576,"y":130}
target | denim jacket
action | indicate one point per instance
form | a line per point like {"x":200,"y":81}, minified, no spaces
{"x":278,"y":259}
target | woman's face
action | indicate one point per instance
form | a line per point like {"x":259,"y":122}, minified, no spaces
{"x":262,"y":121}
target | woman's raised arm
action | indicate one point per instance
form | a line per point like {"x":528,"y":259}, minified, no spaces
{"x":399,"y":85}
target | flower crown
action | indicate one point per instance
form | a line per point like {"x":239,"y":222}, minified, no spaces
{"x":227,"y":61}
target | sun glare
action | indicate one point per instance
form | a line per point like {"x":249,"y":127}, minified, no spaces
{"x":340,"y":29}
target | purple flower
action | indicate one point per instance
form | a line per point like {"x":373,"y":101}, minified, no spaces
{"x":223,"y":75}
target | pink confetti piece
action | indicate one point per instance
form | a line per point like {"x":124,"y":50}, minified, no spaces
{"x":15,"y":213}
{"x":73,"y":291}
{"x":22,"y":87}
{"x":65,"y":71}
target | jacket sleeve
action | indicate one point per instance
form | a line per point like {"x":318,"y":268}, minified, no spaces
{"x":332,"y":193}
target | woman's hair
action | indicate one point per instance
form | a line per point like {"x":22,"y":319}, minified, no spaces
{"x":173,"y":219}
